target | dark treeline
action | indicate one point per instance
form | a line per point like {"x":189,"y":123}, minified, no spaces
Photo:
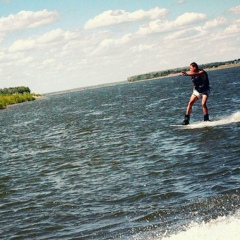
{"x":157,"y":74}
{"x":14,"y":90}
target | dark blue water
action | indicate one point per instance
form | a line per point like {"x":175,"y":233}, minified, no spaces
{"x":106,"y":163}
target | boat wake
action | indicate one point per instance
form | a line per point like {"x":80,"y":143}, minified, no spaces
{"x":222,"y":228}
{"x":235,"y":117}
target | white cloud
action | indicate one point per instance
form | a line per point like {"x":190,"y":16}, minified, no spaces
{"x":217,"y":22}
{"x":50,"y":37}
{"x":22,"y":45}
{"x":40,"y":42}
{"x":142,"y":48}
{"x":25,"y":61}
{"x":234,"y":28}
{"x":114,"y":17}
{"x":181,"y":34}
{"x":235,"y":10}
{"x":190,"y":18}
{"x":27,"y":19}
{"x":58,"y":59}
{"x":161,"y":26}
{"x":2,"y":36}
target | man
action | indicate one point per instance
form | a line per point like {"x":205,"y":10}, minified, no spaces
{"x":201,"y":90}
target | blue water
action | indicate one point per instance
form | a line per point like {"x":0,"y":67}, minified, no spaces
{"x":106,"y":163}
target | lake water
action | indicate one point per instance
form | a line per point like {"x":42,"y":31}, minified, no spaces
{"x":108,"y":163}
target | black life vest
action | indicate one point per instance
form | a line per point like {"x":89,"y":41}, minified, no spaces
{"x":201,"y":82}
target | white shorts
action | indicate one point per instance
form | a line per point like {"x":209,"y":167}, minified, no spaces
{"x":199,"y":95}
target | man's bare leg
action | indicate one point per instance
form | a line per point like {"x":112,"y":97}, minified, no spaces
{"x":192,"y":100}
{"x":204,"y":107}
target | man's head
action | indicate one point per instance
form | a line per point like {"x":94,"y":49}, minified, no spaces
{"x":193,"y":67}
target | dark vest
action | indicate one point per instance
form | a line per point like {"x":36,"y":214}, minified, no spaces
{"x":201,"y":82}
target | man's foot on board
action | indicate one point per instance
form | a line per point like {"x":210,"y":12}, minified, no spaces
{"x":186,"y":120}
{"x":206,"y":118}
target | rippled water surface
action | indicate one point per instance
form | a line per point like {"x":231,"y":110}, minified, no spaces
{"x":107,"y":163}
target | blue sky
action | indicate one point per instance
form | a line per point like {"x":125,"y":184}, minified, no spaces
{"x":54,"y":45}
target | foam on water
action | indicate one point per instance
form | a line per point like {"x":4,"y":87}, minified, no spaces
{"x":221,"y":228}
{"x":235,"y":117}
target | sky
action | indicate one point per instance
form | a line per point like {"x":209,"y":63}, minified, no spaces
{"x":57,"y":45}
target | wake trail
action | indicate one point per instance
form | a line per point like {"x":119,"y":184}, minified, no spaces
{"x":233,"y":118}
{"x":222,"y":228}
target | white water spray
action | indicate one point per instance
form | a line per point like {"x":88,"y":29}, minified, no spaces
{"x":235,"y":117}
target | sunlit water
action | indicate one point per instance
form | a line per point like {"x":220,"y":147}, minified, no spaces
{"x":108,"y":163}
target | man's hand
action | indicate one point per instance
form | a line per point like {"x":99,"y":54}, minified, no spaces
{"x":184,"y":73}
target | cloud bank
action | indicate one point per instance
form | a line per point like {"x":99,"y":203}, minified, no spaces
{"x":114,"y":17}
{"x":27,"y":19}
{"x":103,"y":51}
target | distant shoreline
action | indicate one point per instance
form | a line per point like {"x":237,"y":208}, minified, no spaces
{"x":128,"y":82}
{"x":206,"y":69}
{"x":224,"y":66}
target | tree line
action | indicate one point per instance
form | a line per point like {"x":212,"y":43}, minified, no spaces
{"x":164,"y":73}
{"x":14,"y":90}
{"x":15,"y":95}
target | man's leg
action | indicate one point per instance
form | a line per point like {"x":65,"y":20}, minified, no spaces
{"x":192,"y":100}
{"x":204,"y":107}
